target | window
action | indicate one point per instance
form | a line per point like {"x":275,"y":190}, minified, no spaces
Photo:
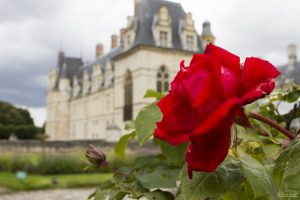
{"x":162,"y":84}
{"x":128,"y":40}
{"x":128,"y":97}
{"x":163,"y":38}
{"x":190,"y":43}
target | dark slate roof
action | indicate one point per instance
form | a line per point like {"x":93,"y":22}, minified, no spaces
{"x":143,"y":20}
{"x":68,"y":68}
{"x":288,"y":72}
{"x":145,"y":16}
{"x":102,"y":60}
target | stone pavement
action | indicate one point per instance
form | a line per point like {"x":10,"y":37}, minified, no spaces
{"x":59,"y":194}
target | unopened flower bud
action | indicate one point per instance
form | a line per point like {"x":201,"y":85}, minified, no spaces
{"x":96,"y":157}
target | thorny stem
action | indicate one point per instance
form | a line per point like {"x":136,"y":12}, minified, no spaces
{"x":261,"y":132}
{"x":113,"y":170}
{"x":273,"y":124}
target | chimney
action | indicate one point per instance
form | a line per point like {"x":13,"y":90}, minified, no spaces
{"x":114,"y":41}
{"x":99,"y":50}
{"x":292,"y":55}
{"x":122,"y":37}
{"x":136,"y":6}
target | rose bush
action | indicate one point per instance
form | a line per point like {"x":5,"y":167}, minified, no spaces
{"x":206,"y":98}
{"x":195,"y":125}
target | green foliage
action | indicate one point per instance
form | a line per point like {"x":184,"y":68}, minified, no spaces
{"x":159,"y":195}
{"x":122,"y":144}
{"x":130,"y":125}
{"x":36,"y":182}
{"x":260,"y":179}
{"x":5,"y":131}
{"x":16,"y":121}
{"x":145,"y":122}
{"x":210,"y":185}
{"x":256,"y":168}
{"x":41,"y":164}
{"x":160,"y":177}
{"x":173,"y":153}
{"x":10,"y":115}
{"x":21,"y":131}
{"x":153,"y":93}
{"x":289,"y":95}
{"x":287,"y":167}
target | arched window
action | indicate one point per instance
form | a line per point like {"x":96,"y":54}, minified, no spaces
{"x":128,"y":97}
{"x":162,"y":84}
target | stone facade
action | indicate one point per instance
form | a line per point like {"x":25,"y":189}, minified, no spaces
{"x":94,"y":101}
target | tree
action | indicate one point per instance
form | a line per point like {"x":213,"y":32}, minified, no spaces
{"x":9,"y":114}
{"x":16,"y":120}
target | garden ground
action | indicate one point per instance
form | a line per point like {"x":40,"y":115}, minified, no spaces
{"x":58,"y":194}
{"x":9,"y":182}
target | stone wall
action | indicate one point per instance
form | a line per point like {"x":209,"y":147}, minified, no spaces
{"x":34,"y":146}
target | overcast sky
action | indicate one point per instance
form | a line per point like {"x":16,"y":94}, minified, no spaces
{"x":33,"y":31}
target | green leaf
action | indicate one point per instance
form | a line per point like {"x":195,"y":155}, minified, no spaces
{"x":130,"y":125}
{"x":260,"y":179}
{"x":117,"y":195}
{"x":159,"y":195}
{"x":292,"y":95}
{"x":271,"y":151}
{"x":100,"y":194}
{"x":146,"y":122}
{"x":91,"y":196}
{"x":207,"y":185}
{"x":122,"y":144}
{"x":243,"y":191}
{"x":160,"y":177}
{"x":179,"y":197}
{"x":173,"y":153}
{"x":152,"y":93}
{"x":287,"y":167}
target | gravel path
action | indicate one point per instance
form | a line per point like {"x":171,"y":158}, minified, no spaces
{"x":59,"y":194}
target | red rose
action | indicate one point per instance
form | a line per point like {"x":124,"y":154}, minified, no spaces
{"x":206,"y":98}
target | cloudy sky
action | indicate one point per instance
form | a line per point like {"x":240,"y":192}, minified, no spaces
{"x":33,"y":31}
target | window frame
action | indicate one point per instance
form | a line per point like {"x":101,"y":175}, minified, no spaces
{"x":162,"y":80}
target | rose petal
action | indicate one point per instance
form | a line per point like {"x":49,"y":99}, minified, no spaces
{"x":225,"y":111}
{"x":177,"y":121}
{"x":242,"y":119}
{"x":211,"y":140}
{"x":227,"y":59}
{"x":206,"y":154}
{"x":257,"y":79}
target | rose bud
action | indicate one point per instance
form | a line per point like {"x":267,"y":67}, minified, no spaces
{"x":96,"y":157}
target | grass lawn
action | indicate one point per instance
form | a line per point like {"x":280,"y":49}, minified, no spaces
{"x":36,"y":182}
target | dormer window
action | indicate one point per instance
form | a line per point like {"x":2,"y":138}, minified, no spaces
{"x":163,"y":38}
{"x":190,"y":42}
{"x":162,"y":28}
{"x":128,"y":33}
{"x":188,"y":34}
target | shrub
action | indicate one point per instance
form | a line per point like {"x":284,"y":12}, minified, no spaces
{"x":23,"y":164}
{"x":26,"y":131}
{"x":21,"y":131}
{"x":61,"y":164}
{"x":5,"y":131}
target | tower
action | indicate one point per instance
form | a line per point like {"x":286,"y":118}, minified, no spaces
{"x":207,"y":36}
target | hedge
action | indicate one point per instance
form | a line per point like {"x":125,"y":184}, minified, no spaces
{"x":21,"y":131}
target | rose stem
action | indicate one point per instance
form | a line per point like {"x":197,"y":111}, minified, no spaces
{"x":113,"y":170}
{"x":272,"y":123}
